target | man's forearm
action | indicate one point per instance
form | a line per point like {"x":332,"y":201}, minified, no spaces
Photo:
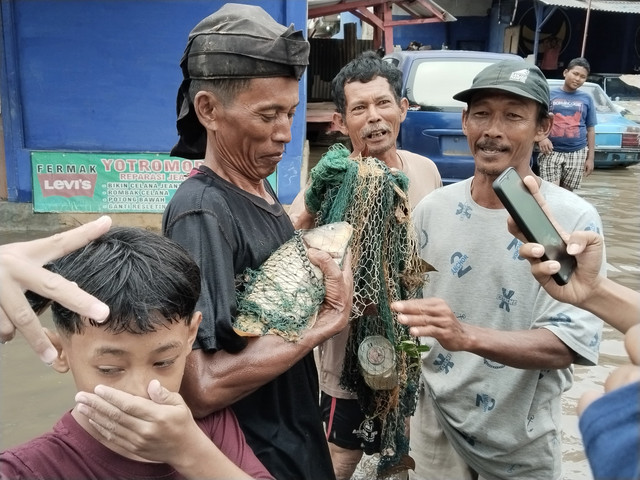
{"x":527,"y":349}
{"x":616,"y":304}
{"x":213,"y":381}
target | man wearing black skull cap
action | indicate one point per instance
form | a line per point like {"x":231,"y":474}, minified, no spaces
{"x":235,"y":108}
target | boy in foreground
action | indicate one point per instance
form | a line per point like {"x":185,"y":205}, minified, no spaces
{"x":151,"y":286}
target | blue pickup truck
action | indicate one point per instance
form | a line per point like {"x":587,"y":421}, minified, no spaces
{"x":433,"y":126}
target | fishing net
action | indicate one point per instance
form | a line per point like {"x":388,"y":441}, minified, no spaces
{"x":386,"y":268}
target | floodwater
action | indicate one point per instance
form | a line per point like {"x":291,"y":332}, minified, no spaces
{"x":33,"y":396}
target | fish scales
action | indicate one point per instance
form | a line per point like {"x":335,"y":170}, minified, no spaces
{"x":283,"y":295}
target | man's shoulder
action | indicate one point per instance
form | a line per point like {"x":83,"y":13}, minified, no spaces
{"x":420,"y":166}
{"x":559,"y":92}
{"x":416,"y":158}
{"x":557,"y":193}
{"x":189,"y":185}
{"x":453,"y":189}
{"x":566,"y":202}
{"x":586,"y":98}
{"x":582,"y":93}
{"x":196,"y":198}
{"x":196,"y":191}
{"x":453,"y":192}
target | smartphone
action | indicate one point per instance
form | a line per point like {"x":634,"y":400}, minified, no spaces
{"x":533,"y":222}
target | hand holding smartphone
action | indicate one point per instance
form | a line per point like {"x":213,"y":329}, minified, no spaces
{"x":533,"y":222}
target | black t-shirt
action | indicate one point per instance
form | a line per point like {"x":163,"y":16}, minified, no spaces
{"x":227,"y":230}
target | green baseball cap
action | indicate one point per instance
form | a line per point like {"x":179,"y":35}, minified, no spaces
{"x":514,"y":76}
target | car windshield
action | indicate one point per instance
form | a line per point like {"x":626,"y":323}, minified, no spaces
{"x":617,"y":89}
{"x":432,"y":83}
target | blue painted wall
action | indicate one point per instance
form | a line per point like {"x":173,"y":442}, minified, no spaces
{"x":102,"y":75}
{"x":456,"y":35}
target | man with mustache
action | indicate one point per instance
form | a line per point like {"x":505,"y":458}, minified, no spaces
{"x":367,"y":93}
{"x":502,"y":349}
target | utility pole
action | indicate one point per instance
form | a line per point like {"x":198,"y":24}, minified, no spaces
{"x":586,"y":27}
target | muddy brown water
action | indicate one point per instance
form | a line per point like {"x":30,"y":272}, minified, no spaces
{"x":33,"y":396}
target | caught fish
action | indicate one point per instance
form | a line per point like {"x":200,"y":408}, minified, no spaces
{"x":282,"y":296}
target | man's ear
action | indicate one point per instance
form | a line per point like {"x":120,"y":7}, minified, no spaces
{"x":544,"y":128}
{"x":60,"y":364}
{"x":196,"y":318}
{"x":338,"y":121}
{"x":465,"y":116}
{"x":404,"y":107}
{"x":206,"y":106}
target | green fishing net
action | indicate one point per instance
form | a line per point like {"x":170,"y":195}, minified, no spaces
{"x":386,"y":268}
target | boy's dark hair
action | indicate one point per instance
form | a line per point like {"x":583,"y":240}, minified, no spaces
{"x":147,"y":280}
{"x":364,"y":69}
{"x":579,"y":62}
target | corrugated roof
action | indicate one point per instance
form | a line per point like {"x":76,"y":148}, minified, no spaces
{"x":424,"y":9}
{"x":628,"y":6}
{"x":416,"y":8}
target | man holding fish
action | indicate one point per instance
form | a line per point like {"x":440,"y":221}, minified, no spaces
{"x":235,"y":106}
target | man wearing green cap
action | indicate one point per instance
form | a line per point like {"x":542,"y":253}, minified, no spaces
{"x":502,"y":348}
{"x":235,"y":107}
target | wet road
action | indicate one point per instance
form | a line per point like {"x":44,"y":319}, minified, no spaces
{"x":615,"y":193}
{"x":33,"y":396}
